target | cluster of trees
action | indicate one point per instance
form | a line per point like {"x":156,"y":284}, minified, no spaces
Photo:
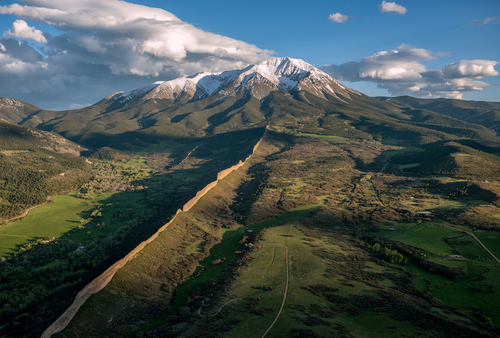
{"x":44,"y":269}
{"x":476,"y":220}
{"x":392,"y":256}
{"x":114,"y":176}
{"x":26,"y":179}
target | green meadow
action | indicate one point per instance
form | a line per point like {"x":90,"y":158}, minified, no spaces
{"x":61,"y":219}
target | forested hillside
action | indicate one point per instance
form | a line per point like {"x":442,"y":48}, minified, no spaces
{"x":35,"y":165}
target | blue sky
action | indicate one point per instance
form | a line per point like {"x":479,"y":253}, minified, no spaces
{"x":82,"y":63}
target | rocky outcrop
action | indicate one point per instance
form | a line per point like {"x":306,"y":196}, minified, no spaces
{"x":100,"y":282}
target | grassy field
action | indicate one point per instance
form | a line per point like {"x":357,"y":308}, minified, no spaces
{"x":268,"y":269}
{"x":439,"y":241}
{"x":206,"y":272}
{"x":164,"y":147}
{"x":459,"y":293}
{"x":61,"y":218}
{"x":490,"y":239}
{"x":477,"y":288}
{"x":329,"y":138}
{"x":10,"y":244}
{"x":426,"y":236}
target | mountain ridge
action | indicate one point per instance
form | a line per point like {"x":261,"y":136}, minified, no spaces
{"x":479,"y":112}
{"x":278,"y":91}
{"x":273,"y":74}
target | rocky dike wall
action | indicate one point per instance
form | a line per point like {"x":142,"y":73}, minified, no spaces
{"x":101,"y":281}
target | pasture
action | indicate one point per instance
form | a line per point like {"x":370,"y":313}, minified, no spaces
{"x":61,"y":219}
{"x":206,"y":272}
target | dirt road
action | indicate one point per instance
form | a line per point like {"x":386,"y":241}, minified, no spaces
{"x":29,"y":209}
{"x":477,"y":239}
{"x":284,"y":296}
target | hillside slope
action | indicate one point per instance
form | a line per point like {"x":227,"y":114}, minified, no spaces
{"x":35,"y":164}
{"x":15,"y":111}
{"x":484,"y":113}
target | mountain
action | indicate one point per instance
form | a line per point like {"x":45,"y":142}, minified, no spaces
{"x":15,"y":111}
{"x":336,"y":183}
{"x":278,"y":91}
{"x":286,"y":74}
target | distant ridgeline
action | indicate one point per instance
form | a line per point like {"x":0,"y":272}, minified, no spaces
{"x":280,"y":91}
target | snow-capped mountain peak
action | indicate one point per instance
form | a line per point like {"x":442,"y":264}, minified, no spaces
{"x":259,"y":80}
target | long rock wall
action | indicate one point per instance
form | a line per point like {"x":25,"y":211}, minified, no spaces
{"x":100,"y":282}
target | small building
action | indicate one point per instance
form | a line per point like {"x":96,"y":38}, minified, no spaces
{"x":455,"y":256}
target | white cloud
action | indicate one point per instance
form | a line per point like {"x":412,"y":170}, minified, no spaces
{"x":116,"y":42}
{"x":135,"y":29}
{"x":21,"y":30}
{"x":470,"y":68}
{"x":489,"y":20}
{"x":392,"y":7}
{"x":401,"y":72}
{"x":11,"y":66}
{"x":337,"y":17}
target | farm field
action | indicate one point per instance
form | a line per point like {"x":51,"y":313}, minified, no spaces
{"x":62,"y":219}
{"x":480,"y":270}
{"x":427,"y":236}
{"x":329,"y":138}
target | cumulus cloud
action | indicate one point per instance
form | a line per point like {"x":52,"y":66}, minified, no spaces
{"x":401,"y":72}
{"x":116,"y":42}
{"x":392,"y":7}
{"x":470,"y":68}
{"x":337,"y":17}
{"x":21,"y":30}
